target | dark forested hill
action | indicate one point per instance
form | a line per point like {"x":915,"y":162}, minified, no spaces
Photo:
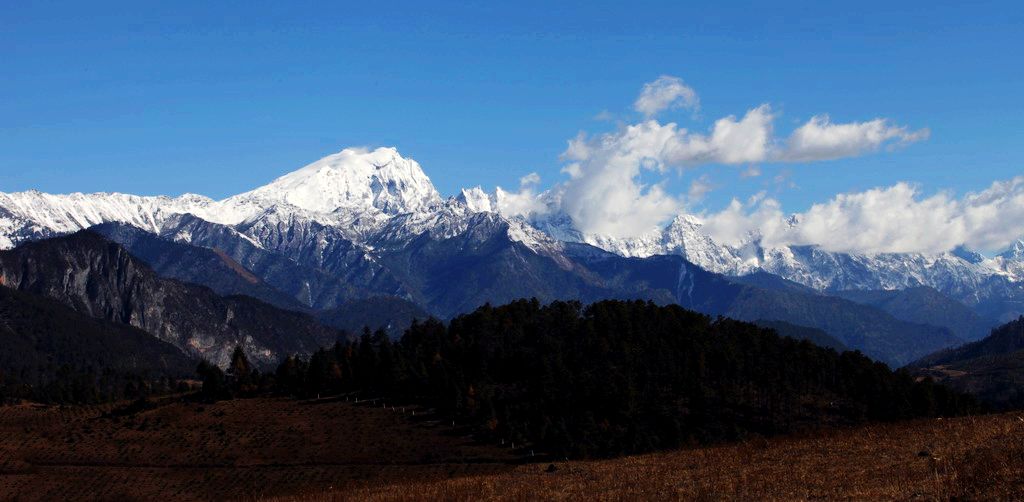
{"x":991,"y":368}
{"x":618,"y":377}
{"x":52,"y":353}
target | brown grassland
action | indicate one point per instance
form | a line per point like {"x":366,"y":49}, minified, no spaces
{"x":285,"y":450}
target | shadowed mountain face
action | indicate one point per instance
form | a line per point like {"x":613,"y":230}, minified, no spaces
{"x":861,"y":327}
{"x":307,"y":283}
{"x":991,"y":368}
{"x":393,"y":315}
{"x":321,"y":269}
{"x":925,"y":305}
{"x":39,"y":335}
{"x":215,"y":269}
{"x":101,"y":279}
{"x":813,"y":335}
{"x":212,"y":268}
{"x":482,"y":265}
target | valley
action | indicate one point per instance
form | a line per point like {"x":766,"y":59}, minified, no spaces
{"x":488,"y":251}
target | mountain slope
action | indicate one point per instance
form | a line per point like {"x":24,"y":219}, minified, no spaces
{"x":353,"y":179}
{"x":994,"y":288}
{"x":991,"y":368}
{"x":876,"y":333}
{"x":212,"y":268}
{"x":860,"y":327}
{"x":99,"y":278}
{"x":39,"y":336}
{"x":813,"y":335}
{"x":393,"y":315}
{"x":482,"y":264}
{"x":924,"y":305}
{"x":37,"y":330}
{"x":308,"y":284}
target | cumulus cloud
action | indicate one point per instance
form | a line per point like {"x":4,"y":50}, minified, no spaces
{"x":616,"y":180}
{"x":525,"y":202}
{"x":531,"y":179}
{"x":699,"y":188}
{"x":820,"y":139}
{"x":894,"y":219}
{"x":751,"y":172}
{"x":605,"y":195}
{"x":664,"y":93}
{"x":994,"y":218}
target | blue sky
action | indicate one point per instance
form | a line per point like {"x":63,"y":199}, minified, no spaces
{"x":218,"y":99}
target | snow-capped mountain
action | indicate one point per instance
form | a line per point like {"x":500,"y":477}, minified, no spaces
{"x":344,"y":212}
{"x":364,"y":224}
{"x":342,"y":228}
{"x":1010,"y":262}
{"x":986,"y":283}
{"x":33,"y":215}
{"x":354,"y":183}
{"x":994,"y":286}
{"x":356,"y":192}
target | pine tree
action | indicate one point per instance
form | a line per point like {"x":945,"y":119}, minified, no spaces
{"x":214,"y":385}
{"x":240,"y":372}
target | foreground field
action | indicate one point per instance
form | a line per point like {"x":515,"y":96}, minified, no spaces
{"x":243,"y":449}
{"x":970,"y":458}
{"x":284,"y":450}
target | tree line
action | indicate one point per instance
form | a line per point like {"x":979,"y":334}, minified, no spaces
{"x":69,"y":384}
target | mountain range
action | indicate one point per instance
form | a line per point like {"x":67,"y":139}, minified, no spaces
{"x":366,"y":231}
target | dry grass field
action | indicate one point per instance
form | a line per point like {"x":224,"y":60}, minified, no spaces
{"x":244,"y":449}
{"x":285,"y":450}
{"x":978,"y":458}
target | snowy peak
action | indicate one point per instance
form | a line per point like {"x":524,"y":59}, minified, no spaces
{"x":477,"y":200}
{"x":1010,"y":263}
{"x":1015,"y":252}
{"x":353,"y":179}
{"x":33,"y":214}
{"x":967,"y":254}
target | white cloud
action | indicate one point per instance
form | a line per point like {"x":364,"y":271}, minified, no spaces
{"x":664,"y":93}
{"x":820,"y":139}
{"x":895,"y":219}
{"x":699,"y":188}
{"x":737,"y":142}
{"x":752,"y":171}
{"x":994,"y":218}
{"x":525,"y":202}
{"x":531,"y":179}
{"x":737,"y":222}
{"x":604,"y":194}
{"x":615,"y":185}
